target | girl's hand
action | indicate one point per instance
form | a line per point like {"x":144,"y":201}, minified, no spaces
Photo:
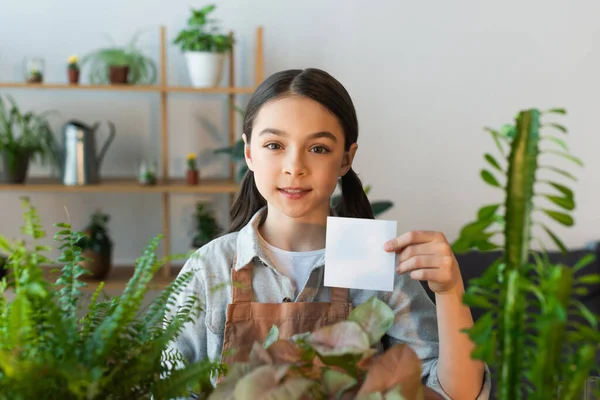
{"x":427,"y":256}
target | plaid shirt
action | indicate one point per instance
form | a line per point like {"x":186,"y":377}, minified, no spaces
{"x":415,"y":323}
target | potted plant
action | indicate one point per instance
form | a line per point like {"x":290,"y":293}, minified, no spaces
{"x":207,"y":227}
{"x":120,"y":65}
{"x":97,"y":246}
{"x":204,"y":48}
{"x":23,"y":137}
{"x":51,"y":348}
{"x":192,"y":174}
{"x":537,"y":338}
{"x":34,"y":70}
{"x":73,"y":69}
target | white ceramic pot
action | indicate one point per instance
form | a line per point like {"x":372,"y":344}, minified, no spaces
{"x":205,"y":68}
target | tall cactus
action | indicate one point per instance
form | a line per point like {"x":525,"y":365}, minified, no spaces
{"x":532,"y":332}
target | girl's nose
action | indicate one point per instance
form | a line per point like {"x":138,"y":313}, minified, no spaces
{"x":294,"y":164}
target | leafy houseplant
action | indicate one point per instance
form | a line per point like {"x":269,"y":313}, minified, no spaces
{"x":540,"y":340}
{"x":23,"y":137}
{"x":204,"y":48}
{"x":121,"y":65}
{"x":207,"y":227}
{"x":338,"y":361}
{"x":114,"y":351}
{"x":97,"y":246}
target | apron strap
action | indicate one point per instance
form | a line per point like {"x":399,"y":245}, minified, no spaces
{"x":241,"y":281}
{"x":338,"y":295}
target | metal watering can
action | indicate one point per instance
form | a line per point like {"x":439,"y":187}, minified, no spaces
{"x":78,"y":159}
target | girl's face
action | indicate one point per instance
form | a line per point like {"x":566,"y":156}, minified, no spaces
{"x":297,"y":155}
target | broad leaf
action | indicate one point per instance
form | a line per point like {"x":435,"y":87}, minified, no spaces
{"x":285,"y":352}
{"x":374,"y":317}
{"x":584,"y":261}
{"x":489,"y":178}
{"x":558,"y":141}
{"x":556,"y":111}
{"x":559,"y":171}
{"x":557,"y":126}
{"x":568,"y":156}
{"x":555,"y":239}
{"x":265,"y":383}
{"x":492,"y":161}
{"x":379,"y":207}
{"x":344,"y":337}
{"x":564,"y":202}
{"x":399,"y":365}
{"x":486,"y":212}
{"x":562,"y":188}
{"x":560,"y":217}
{"x":476,"y":300}
{"x":496,"y":136}
{"x":335,"y":383}
{"x":272,"y":337}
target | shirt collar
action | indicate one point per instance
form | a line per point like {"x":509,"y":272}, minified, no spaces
{"x":248,"y":246}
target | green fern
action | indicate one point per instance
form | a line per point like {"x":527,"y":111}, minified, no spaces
{"x":533,"y":352}
{"x":114,"y":351}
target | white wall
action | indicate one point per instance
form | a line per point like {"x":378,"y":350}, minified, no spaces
{"x":426,"y":77}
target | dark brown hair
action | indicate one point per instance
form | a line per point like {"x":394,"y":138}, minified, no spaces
{"x":321,"y":87}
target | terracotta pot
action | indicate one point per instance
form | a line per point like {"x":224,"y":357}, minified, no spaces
{"x":98,"y":264}
{"x":192,"y":177}
{"x":73,"y":75}
{"x":118,"y":74}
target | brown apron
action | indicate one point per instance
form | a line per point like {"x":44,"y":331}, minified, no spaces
{"x":248,"y":321}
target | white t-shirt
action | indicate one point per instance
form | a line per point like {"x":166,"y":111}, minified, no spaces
{"x":296,"y":265}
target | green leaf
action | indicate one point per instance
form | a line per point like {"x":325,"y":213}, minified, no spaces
{"x":562,"y":188}
{"x":496,"y":136}
{"x":272,"y":337}
{"x":379,"y":207}
{"x":568,"y":156}
{"x":590,"y":279}
{"x":555,"y":239}
{"x":476,"y":300}
{"x":5,"y":246}
{"x":375,"y":317}
{"x":557,"y":126}
{"x":492,"y":161}
{"x":558,"y":141}
{"x":264,"y":383}
{"x":63,"y":225}
{"x":335,"y":383}
{"x":591,"y":318}
{"x":341,"y":338}
{"x":566,"y":203}
{"x":584,"y":261}
{"x":486,"y":212}
{"x":559,"y":171}
{"x":556,"y":111}
{"x":489,"y":178}
{"x":560,"y":217}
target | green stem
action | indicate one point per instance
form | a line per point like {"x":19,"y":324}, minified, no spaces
{"x":519,"y":204}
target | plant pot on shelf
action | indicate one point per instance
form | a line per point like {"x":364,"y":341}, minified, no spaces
{"x":192,"y":177}
{"x":97,"y":263}
{"x":73,"y":75}
{"x":13,"y":167}
{"x":118,"y":74}
{"x":205,"y":68}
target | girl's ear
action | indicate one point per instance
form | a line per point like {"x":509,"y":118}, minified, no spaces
{"x":348,"y":159}
{"x":247,"y":154}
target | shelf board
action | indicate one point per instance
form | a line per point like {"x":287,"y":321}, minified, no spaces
{"x":123,"y":185}
{"x":126,"y":88}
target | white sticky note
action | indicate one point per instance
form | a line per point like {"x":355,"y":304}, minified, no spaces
{"x":354,"y":254}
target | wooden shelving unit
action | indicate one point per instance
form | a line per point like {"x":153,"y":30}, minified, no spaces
{"x":166,"y":185}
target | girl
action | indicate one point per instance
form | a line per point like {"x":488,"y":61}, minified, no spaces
{"x":300,"y":132}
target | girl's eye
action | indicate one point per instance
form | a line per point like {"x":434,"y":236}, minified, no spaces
{"x":320,"y":150}
{"x":272,"y":146}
